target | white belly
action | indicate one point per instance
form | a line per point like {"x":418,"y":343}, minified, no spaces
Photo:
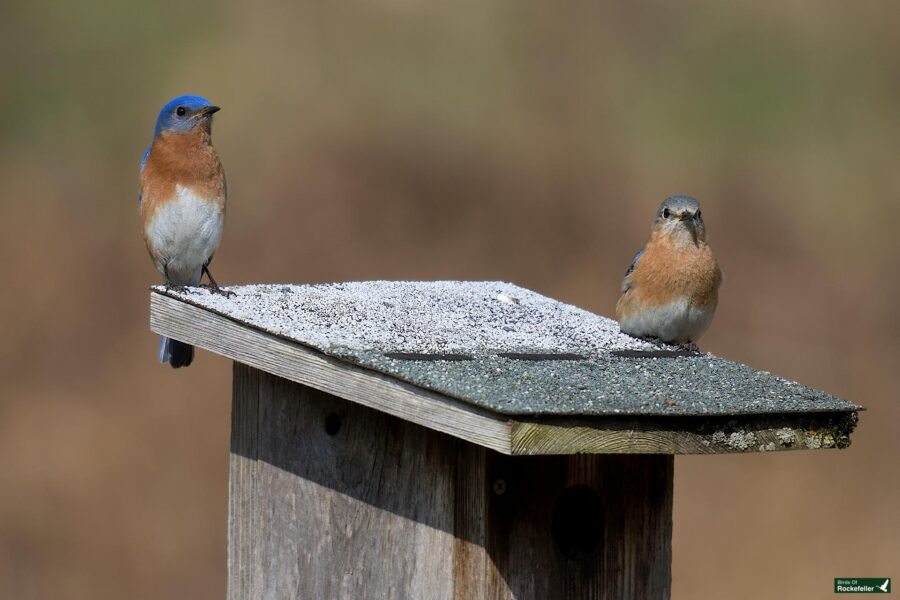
{"x":678,"y":321}
{"x":184,"y":233}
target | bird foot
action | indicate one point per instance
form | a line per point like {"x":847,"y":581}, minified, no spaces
{"x":215,"y":289}
{"x":178,"y":289}
{"x":686,"y":347}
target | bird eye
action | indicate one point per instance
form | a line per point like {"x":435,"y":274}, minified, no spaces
{"x":180,"y":111}
{"x":665,"y":213}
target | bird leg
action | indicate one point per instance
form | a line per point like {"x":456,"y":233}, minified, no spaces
{"x":213,"y":286}
{"x":170,"y":287}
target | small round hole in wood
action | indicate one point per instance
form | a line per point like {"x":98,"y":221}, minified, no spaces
{"x":577,"y":526}
{"x":332,"y":424}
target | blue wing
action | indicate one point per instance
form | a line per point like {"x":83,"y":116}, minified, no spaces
{"x":626,"y":282}
{"x":143,"y":162}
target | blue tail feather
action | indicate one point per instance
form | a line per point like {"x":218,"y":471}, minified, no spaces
{"x":178,"y":354}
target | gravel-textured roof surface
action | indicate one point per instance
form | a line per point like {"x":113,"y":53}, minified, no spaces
{"x":508,"y":349}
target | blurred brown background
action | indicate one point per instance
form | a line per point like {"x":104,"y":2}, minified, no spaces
{"x":405,"y":139}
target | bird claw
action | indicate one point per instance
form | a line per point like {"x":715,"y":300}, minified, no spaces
{"x":178,"y":289}
{"x":686,"y":347}
{"x":215,"y":289}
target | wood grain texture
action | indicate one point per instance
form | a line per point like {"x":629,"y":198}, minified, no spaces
{"x":363,"y":513}
{"x":472,"y":566}
{"x":331,"y":499}
{"x":683,"y":435}
{"x":244,"y":567}
{"x":548,"y":543}
{"x":525,"y":436}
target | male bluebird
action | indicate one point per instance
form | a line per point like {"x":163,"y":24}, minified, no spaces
{"x":182,"y":202}
{"x":671,"y":287}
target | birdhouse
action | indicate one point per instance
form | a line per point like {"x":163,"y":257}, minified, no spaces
{"x":466,"y":439}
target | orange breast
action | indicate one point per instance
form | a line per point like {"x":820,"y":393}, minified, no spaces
{"x":668,"y":273}
{"x":185,"y":159}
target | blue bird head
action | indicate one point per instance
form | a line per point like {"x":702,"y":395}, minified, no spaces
{"x":184,"y":113}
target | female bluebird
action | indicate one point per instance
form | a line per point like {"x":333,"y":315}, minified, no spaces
{"x":671,"y":288}
{"x":182,"y":202}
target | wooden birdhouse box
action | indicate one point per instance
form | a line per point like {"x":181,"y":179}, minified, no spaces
{"x":432,"y":440}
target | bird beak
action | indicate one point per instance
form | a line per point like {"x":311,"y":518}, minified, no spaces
{"x":690,"y":222}
{"x":208,"y":110}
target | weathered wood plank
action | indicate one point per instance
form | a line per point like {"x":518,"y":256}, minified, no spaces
{"x":345,"y":502}
{"x":473,"y":569}
{"x":526,"y":436}
{"x":243,"y":566}
{"x":335,"y":500}
{"x":585,"y":527}
{"x":683,"y":435}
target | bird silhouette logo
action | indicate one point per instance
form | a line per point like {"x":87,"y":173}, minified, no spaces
{"x":886,"y":586}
